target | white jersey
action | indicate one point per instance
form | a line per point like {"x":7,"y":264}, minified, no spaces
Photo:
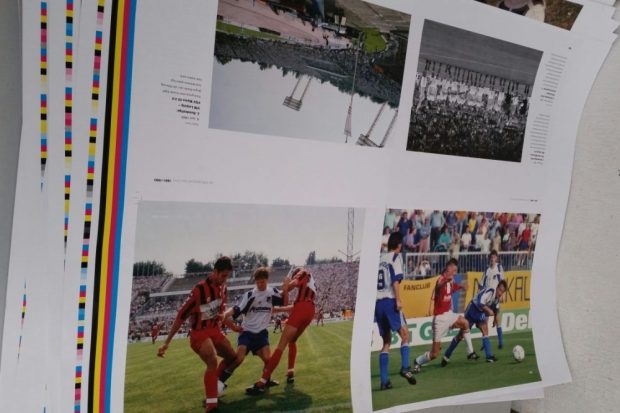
{"x":491,"y":277}
{"x":423,"y":83}
{"x":487,"y":298}
{"x":461,"y":96}
{"x":256,"y":306}
{"x":431,"y":91}
{"x":497,"y":103}
{"x":390,"y":271}
{"x":442,"y":89}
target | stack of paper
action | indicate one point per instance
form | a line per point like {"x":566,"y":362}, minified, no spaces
{"x":400,"y":171}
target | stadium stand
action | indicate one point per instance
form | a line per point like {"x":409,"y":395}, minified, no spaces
{"x":466,"y":113}
{"x":142,"y":286}
{"x":150,"y":304}
{"x":469,"y":237}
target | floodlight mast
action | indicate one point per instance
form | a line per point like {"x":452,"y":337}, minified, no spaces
{"x":350,"y":255}
{"x":347,"y":125}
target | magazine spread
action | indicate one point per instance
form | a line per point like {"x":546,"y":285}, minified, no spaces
{"x":367,"y":195}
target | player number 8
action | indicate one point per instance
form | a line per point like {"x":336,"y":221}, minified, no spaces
{"x":381,"y":280}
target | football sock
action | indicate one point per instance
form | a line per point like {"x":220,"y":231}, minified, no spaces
{"x":487,"y":347}
{"x":292,"y":355}
{"x":383,"y":367}
{"x":225,"y":375}
{"x":210,"y":381}
{"x":470,"y":346}
{"x":404,"y":357}
{"x":220,"y":368}
{"x":500,"y":337}
{"x":451,"y":347}
{"x":423,"y":359}
{"x":273,"y":362}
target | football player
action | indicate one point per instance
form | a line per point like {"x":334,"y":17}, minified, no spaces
{"x":301,"y":316}
{"x":490,"y":279}
{"x":256,"y":306}
{"x":278,"y":324}
{"x":155,"y":332}
{"x":484,"y":305}
{"x":205,"y":306}
{"x":388,"y":314}
{"x":444,"y":319}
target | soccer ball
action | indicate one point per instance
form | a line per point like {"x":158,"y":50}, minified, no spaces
{"x":221,"y":386}
{"x":518,"y":353}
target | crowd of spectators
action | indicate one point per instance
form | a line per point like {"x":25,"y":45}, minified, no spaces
{"x":154,"y":310}
{"x":150,"y":283}
{"x":336,"y":285}
{"x":142,"y":286}
{"x":454,"y":232}
{"x":466,"y":113}
{"x":162,"y":305}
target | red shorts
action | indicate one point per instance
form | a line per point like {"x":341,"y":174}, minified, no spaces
{"x":198,"y":337}
{"x":302,"y":315}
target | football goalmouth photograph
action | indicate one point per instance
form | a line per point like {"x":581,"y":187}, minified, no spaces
{"x":454,"y":286}
{"x":242,"y":308}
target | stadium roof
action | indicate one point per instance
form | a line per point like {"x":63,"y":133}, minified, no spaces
{"x":230,"y":288}
{"x":484,"y":54}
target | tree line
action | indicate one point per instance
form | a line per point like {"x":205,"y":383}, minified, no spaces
{"x":247,"y":260}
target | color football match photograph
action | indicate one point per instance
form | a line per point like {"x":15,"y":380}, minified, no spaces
{"x":452,"y":312}
{"x":240,"y":308}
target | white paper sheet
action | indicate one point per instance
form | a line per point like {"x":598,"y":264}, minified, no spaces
{"x":204,"y":132}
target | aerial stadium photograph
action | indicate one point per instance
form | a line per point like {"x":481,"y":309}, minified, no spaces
{"x":472,"y":94}
{"x":241,"y":308}
{"x":329,"y":70}
{"x":558,"y":13}
{"x":455,"y":287}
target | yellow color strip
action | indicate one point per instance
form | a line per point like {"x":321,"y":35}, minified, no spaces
{"x":108,"y":217}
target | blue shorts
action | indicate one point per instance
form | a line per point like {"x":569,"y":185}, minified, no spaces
{"x":253,"y":341}
{"x":388,"y":317}
{"x":474,"y":315}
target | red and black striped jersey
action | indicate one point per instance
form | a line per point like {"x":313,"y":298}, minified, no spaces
{"x":204,"y":305}
{"x":306,"y":287}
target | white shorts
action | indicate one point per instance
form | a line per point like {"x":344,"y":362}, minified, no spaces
{"x":442,"y":324}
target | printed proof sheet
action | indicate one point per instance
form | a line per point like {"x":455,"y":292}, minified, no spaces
{"x":388,"y":162}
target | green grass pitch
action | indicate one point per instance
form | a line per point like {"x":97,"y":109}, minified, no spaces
{"x":174,"y":384}
{"x":460,"y":375}
{"x":374,"y":41}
